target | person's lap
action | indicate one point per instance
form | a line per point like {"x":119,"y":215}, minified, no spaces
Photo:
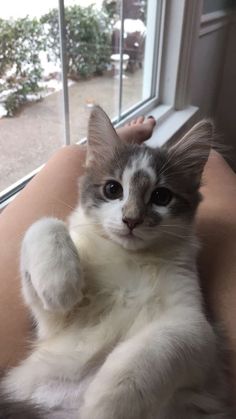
{"x":54,"y":192}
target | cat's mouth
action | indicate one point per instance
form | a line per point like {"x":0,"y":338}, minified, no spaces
{"x":127,"y":239}
{"x":126,"y":235}
{"x":129,"y":236}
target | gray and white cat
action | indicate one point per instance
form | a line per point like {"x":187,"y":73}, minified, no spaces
{"x":121,"y":330}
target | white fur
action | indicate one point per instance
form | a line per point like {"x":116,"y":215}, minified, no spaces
{"x":50,"y":269}
{"x":144,"y":328}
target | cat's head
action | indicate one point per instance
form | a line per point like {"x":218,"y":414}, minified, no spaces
{"x":137,"y":195}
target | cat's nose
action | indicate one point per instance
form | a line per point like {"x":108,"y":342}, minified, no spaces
{"x":132,"y":222}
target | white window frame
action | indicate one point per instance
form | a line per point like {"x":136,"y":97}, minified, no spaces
{"x":178,"y":31}
{"x":174,"y":112}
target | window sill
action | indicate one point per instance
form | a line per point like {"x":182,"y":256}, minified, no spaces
{"x":173,"y":125}
{"x":170,"y":123}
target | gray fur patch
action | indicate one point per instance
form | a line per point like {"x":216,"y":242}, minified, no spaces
{"x":10,"y":409}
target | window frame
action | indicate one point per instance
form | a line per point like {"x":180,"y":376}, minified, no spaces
{"x":177,"y":34}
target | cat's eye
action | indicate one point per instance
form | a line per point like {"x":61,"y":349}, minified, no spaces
{"x":113,"y":190}
{"x":161,"y":197}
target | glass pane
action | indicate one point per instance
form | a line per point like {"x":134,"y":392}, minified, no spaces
{"x":91,"y":77}
{"x":31,"y":126}
{"x":139,"y":44}
{"x":93,"y":40}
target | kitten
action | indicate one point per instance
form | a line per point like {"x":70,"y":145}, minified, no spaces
{"x":121,"y":330}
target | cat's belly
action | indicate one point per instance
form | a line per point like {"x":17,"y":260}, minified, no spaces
{"x":62,"y":414}
{"x":77,"y":345}
{"x":62,"y":399}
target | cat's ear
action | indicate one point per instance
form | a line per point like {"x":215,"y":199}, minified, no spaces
{"x":189,"y":154}
{"x":102,"y":137}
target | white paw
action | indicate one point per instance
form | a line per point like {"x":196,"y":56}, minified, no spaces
{"x":107,"y":400}
{"x":108,"y":407}
{"x":50,"y":266}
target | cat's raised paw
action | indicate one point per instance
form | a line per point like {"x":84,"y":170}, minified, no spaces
{"x":50,"y":266}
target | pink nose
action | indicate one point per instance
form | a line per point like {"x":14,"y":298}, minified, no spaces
{"x":132,"y":222}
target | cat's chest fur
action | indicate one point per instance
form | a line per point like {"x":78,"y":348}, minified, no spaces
{"x":119,"y":283}
{"x":124,"y":296}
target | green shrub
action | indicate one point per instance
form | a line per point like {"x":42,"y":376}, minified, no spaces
{"x":112,"y":8}
{"x":88,"y":39}
{"x":21,"y":40}
{"x":88,"y":48}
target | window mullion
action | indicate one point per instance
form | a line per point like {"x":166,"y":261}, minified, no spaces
{"x":150,"y":55}
{"x":62,"y":30}
{"x":121,"y":59}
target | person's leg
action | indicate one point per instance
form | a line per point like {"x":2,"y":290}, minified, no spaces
{"x":216,"y":226}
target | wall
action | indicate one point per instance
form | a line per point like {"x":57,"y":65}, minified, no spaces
{"x":213,"y":81}
{"x":213,"y":5}
{"x":226,"y":105}
{"x":207,"y":71}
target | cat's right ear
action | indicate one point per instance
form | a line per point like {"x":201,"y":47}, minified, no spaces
{"x":189,"y":154}
{"x":102,"y":137}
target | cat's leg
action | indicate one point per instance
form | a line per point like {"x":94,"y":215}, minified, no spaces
{"x":141,"y":374}
{"x":52,"y":279}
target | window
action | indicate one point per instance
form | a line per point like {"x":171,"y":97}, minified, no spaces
{"x":31,"y":127}
{"x":125,"y":53}
{"x":60,"y":57}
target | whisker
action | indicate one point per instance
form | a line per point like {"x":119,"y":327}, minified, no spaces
{"x":85,"y":224}
{"x":180,"y":236}
{"x":67,"y":205}
{"x":174,"y":225}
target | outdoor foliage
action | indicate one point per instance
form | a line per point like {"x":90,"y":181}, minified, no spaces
{"x":88,"y":39}
{"x":20,"y":68}
{"x":88,"y":46}
{"x":112,"y":8}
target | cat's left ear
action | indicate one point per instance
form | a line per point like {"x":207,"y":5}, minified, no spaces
{"x":102,"y":137}
{"x":190,"y":154}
